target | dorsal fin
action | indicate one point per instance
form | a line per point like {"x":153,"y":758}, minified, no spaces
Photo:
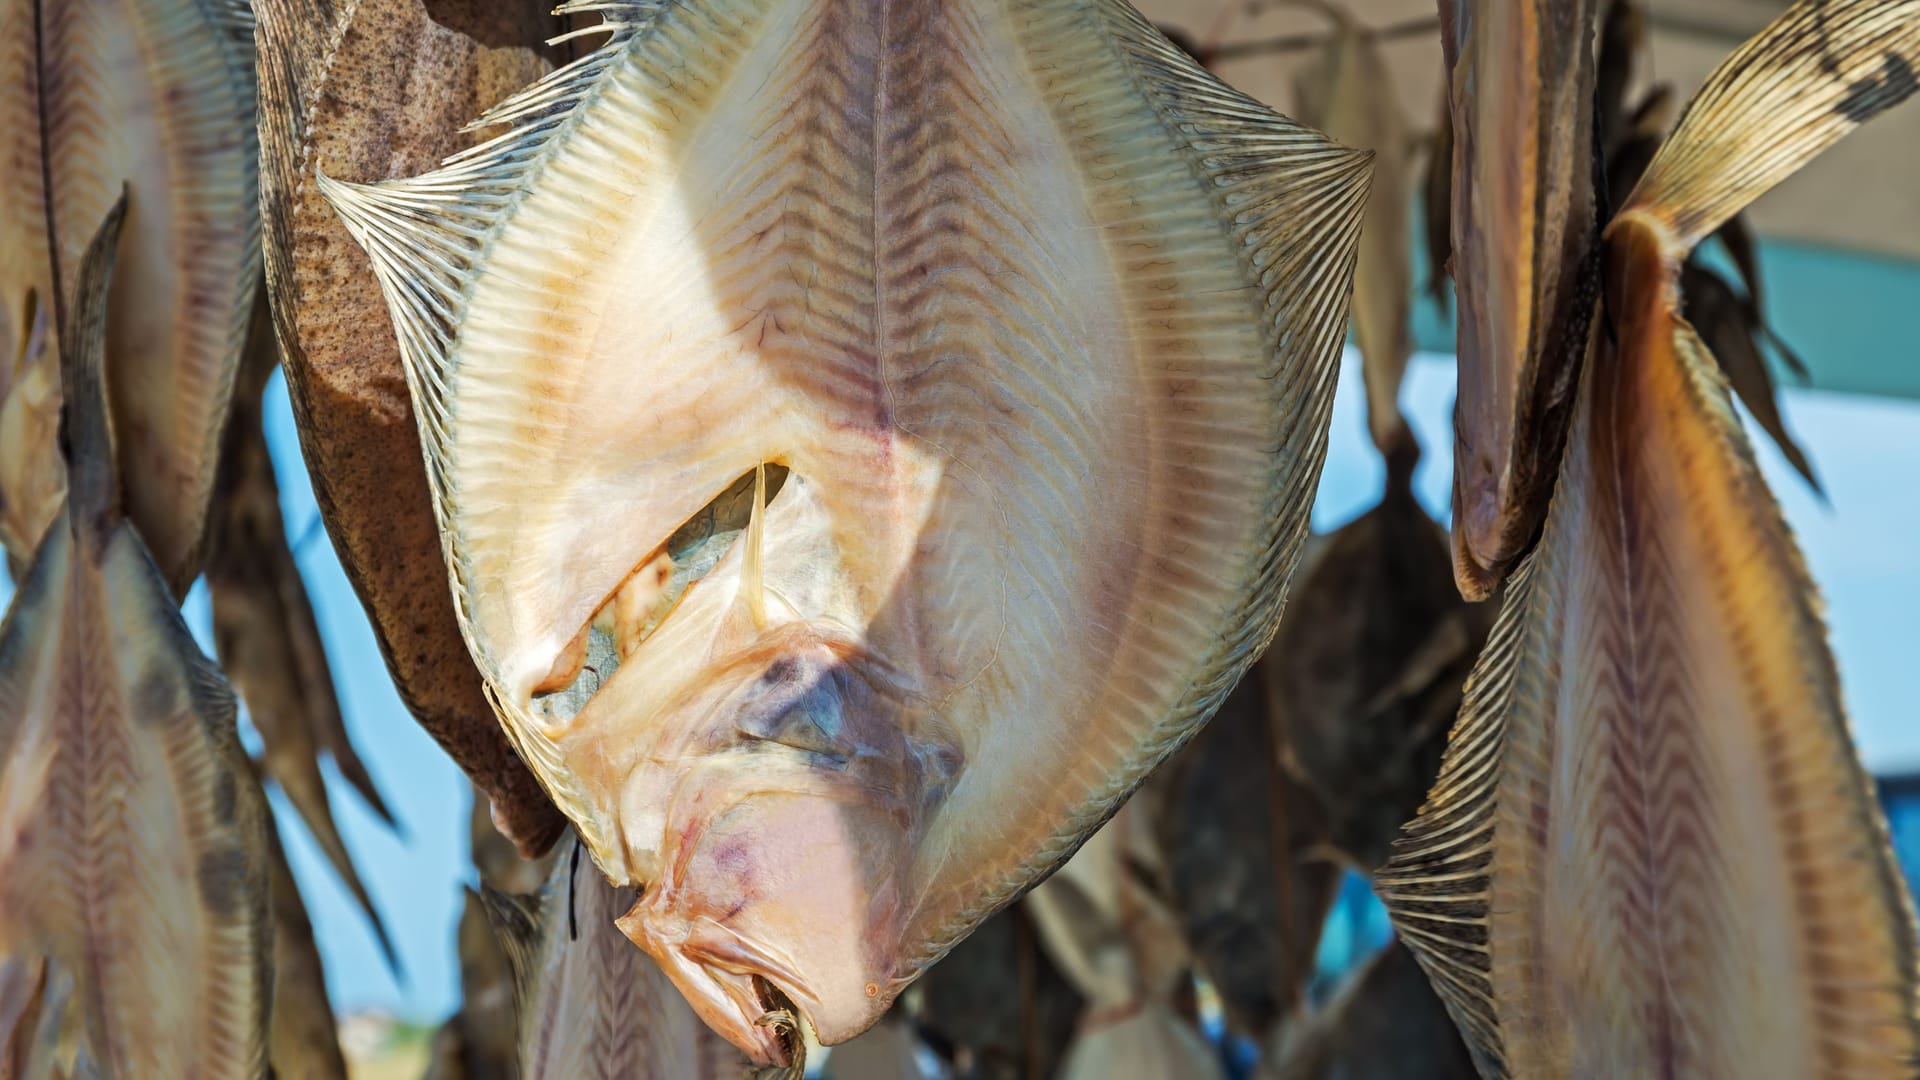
{"x":425,"y":235}
{"x":93,"y":482}
{"x":1813,"y":75}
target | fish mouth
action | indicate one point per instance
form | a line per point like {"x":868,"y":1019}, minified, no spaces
{"x":739,"y":989}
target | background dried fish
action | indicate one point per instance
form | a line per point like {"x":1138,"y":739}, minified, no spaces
{"x":997,"y":1007}
{"x":132,"y":835}
{"x":303,"y":1042}
{"x":1249,"y":872}
{"x":266,"y":637}
{"x":158,"y":94}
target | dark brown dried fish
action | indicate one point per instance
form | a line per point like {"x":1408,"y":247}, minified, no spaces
{"x":996,"y":1007}
{"x":1365,"y":674}
{"x":1248,"y":872}
{"x":370,"y":90}
{"x":132,"y":834}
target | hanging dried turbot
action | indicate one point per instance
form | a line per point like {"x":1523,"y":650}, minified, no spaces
{"x":1248,"y":874}
{"x":592,"y":1007}
{"x":132,"y":832}
{"x":158,"y":94}
{"x":1525,"y":231}
{"x":867,"y":439}
{"x":1652,"y":849}
{"x":1348,"y":93}
{"x":1731,"y":322}
{"x":367,"y":90}
{"x":1364,"y":677}
{"x":265,"y":634}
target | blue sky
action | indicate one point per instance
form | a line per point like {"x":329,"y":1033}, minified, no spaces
{"x":1860,"y":546}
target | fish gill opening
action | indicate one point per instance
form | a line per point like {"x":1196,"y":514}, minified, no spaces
{"x":648,"y":595}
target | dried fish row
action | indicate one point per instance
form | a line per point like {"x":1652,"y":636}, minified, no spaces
{"x":132,"y":833}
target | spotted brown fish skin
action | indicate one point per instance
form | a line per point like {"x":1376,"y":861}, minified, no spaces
{"x":369,"y":90}
{"x":973,"y":272}
{"x":1525,"y":240}
{"x":159,"y":94}
{"x":131,"y":831}
{"x":1652,"y":849}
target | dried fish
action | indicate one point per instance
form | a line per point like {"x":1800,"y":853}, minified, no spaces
{"x":1525,"y":270}
{"x":1355,"y":102}
{"x":160,"y":94}
{"x":1385,"y":1023}
{"x":303,"y":1042}
{"x":368,"y":90}
{"x":1652,"y":849}
{"x":592,"y":1007}
{"x":132,"y":835}
{"x":1245,"y":846}
{"x":1041,"y":320}
{"x":1104,"y":920}
{"x":1365,"y":674}
{"x":1732,"y":324}
{"x":265,"y":634}
{"x":996,"y":1008}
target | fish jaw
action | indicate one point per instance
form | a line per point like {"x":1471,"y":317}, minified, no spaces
{"x":793,"y":802}
{"x":793,"y":891}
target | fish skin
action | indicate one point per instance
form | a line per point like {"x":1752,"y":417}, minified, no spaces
{"x":369,"y":90}
{"x":1525,"y":246}
{"x":265,"y":635}
{"x":158,"y":93}
{"x":132,"y":836}
{"x":1652,"y":849}
{"x":696,"y":768}
{"x":592,"y":1007}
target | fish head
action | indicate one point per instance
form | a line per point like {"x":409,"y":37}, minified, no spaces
{"x":782,"y":872}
